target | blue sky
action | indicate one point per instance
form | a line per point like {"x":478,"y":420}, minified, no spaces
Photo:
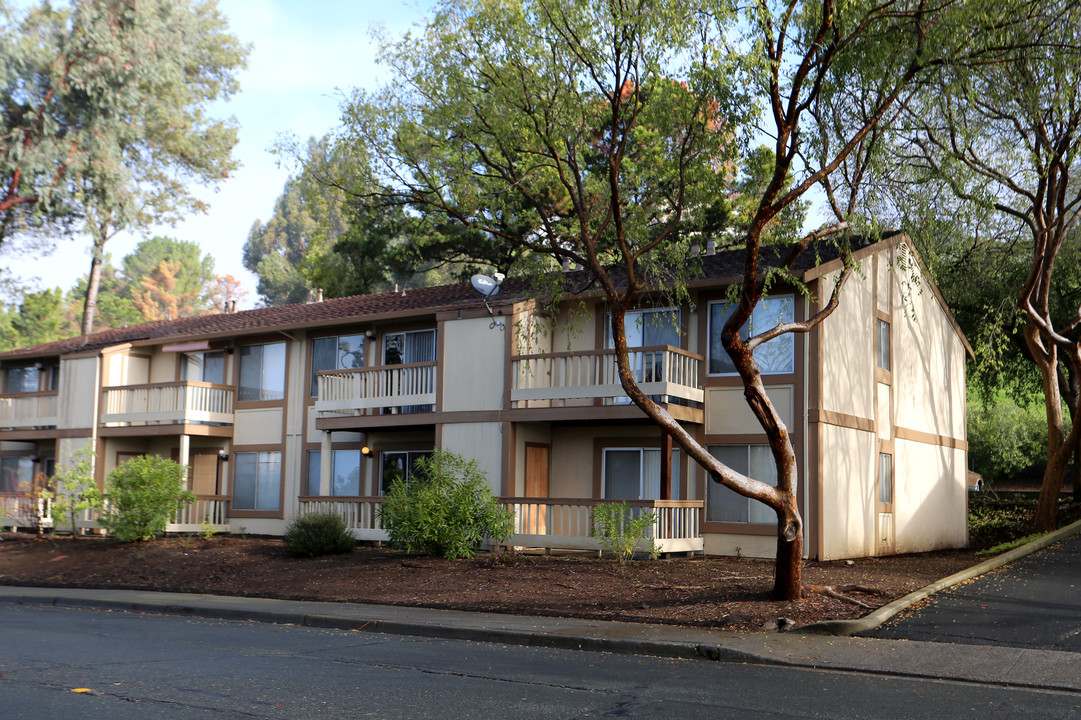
{"x":303,"y":56}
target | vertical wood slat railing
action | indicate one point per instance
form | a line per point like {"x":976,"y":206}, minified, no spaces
{"x":174,"y":402}
{"x":661,"y":370}
{"x":39,"y":409}
{"x":360,"y":514}
{"x":376,"y":387}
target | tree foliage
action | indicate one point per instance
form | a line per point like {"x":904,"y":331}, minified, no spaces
{"x":143,"y":495}
{"x":1001,"y":140}
{"x":603,"y":133}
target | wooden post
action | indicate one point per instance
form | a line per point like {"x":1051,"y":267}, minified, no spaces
{"x":666,"y":466}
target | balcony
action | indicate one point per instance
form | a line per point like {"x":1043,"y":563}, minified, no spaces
{"x":401,"y":388}
{"x":662,"y":371}
{"x":29,"y":410}
{"x":173,"y":403}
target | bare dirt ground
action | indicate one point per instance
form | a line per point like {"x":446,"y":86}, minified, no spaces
{"x":727,"y":593}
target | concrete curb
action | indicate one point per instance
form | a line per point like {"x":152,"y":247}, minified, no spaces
{"x":873,"y":619}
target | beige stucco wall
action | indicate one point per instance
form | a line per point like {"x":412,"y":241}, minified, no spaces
{"x":727,"y":411}
{"x":848,"y":492}
{"x":929,"y":366}
{"x":847,"y":346}
{"x":756,"y":546}
{"x":575,"y":329}
{"x":258,"y":426}
{"x":930,"y":497}
{"x":482,"y":442}
{"x":163,"y":366}
{"x":79,"y":392}
{"x":473,"y":364}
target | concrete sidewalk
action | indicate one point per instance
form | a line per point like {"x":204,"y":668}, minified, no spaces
{"x":982,"y":664}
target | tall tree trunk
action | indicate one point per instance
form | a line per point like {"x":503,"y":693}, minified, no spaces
{"x":1058,"y":453}
{"x":90,"y":305}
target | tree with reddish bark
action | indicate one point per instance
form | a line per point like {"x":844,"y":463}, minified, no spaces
{"x":1004,"y":139}
{"x":600,"y":133}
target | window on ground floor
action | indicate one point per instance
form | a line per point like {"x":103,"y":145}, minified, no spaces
{"x":344,"y":472}
{"x":725,"y":505}
{"x":257,"y":481}
{"x":16,"y":473}
{"x":634,"y":473}
{"x":885,"y":478}
{"x":398,"y":466}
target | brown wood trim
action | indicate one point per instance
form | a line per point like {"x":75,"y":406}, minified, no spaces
{"x":31,"y":434}
{"x":840,"y":419}
{"x":883,"y":315}
{"x":815,"y":523}
{"x":919,"y":436}
{"x":728,"y":528}
{"x":884,"y":376}
{"x":510,"y":458}
{"x":36,"y":393}
{"x":175,"y":383}
{"x":256,"y":404}
{"x":221,"y":431}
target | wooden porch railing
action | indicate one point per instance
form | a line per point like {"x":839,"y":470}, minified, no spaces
{"x":661,"y":370}
{"x":361,"y":514}
{"x":167,"y":403}
{"x":396,"y":386}
{"x":40,"y":409}
{"x":555,"y":523}
{"x":23,"y":511}
{"x":566,"y":522}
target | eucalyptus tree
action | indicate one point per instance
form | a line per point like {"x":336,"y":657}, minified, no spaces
{"x":599,"y":132}
{"x":1004,"y":138}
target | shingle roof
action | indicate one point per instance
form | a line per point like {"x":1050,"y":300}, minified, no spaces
{"x":413,"y":301}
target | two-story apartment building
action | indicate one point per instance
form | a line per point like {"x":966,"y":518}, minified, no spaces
{"x":289,"y":410}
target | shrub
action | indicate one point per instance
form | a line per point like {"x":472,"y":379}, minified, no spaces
{"x":1007,"y":441}
{"x":318,"y":534}
{"x":74,"y":489}
{"x":445,"y":509}
{"x":143,"y":496}
{"x":996,"y":520}
{"x":620,"y":530}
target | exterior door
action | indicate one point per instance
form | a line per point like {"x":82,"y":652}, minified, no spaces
{"x":536,"y":486}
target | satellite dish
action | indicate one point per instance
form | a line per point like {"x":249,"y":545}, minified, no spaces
{"x":485,"y":285}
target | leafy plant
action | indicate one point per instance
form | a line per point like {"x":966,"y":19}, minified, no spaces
{"x":208,"y":530}
{"x":318,"y":534}
{"x":74,"y":489}
{"x":143,"y":495}
{"x":620,"y":530}
{"x":445,"y":509}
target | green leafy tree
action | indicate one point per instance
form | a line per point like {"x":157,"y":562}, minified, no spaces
{"x":194,"y":269}
{"x":275,"y":251}
{"x":1003,"y":138}
{"x":156,"y":137}
{"x":143,"y":495}
{"x":446,"y":509}
{"x":114,"y":309}
{"x":74,"y":489}
{"x":597,"y":132}
{"x":41,"y":318}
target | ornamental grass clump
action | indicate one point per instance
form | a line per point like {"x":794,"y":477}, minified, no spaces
{"x":446,"y":508}
{"x":318,"y":534}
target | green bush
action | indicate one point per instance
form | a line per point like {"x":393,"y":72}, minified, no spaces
{"x":143,"y":495}
{"x":1007,"y":441}
{"x":620,"y":530}
{"x":445,"y":509}
{"x":995,"y":520}
{"x":318,"y":534}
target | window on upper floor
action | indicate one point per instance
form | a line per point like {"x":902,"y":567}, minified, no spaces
{"x":203,"y":367}
{"x":257,"y":481}
{"x":404,"y":348}
{"x":634,"y":473}
{"x":776,"y":357}
{"x":337,"y":352}
{"x":344,"y":472}
{"x":647,"y":328}
{"x":726,"y":505}
{"x":262,"y":372}
{"x":883,"y":349}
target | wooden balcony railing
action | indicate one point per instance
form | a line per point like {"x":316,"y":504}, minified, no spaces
{"x":566,"y":522}
{"x":25,"y":410}
{"x":661,"y":370}
{"x":398,"y":386}
{"x":167,"y":403}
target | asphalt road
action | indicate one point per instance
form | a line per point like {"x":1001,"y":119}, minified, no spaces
{"x":145,"y":666}
{"x":1034,"y":602}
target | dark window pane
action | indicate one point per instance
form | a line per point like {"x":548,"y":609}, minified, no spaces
{"x":323,"y":358}
{"x":251,"y":370}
